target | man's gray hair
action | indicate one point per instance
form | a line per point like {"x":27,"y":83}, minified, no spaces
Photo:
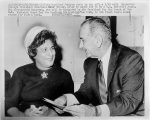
{"x":98,"y":26}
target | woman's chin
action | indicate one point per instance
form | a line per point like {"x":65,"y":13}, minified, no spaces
{"x":49,"y":66}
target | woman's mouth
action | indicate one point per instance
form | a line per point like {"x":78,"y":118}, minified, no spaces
{"x":49,"y":59}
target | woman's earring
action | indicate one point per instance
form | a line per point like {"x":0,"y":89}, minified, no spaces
{"x":30,"y":53}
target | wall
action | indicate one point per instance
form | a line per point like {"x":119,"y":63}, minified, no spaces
{"x":130,"y":30}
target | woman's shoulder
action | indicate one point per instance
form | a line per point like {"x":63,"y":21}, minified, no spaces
{"x":64,"y":74}
{"x":24,"y":68}
{"x":62,"y":70}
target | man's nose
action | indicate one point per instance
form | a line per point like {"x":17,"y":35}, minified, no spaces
{"x":81,"y":45}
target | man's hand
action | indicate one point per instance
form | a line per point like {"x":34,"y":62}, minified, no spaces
{"x":81,"y":110}
{"x":62,"y":101}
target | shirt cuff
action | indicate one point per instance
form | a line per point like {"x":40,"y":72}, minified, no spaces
{"x":71,"y":99}
{"x":103,"y":110}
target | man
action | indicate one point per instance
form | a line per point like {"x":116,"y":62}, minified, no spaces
{"x":122,"y":90}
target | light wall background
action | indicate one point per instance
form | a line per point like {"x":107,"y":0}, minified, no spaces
{"x":129,"y":29}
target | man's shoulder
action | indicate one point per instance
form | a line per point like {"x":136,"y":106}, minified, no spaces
{"x":90,"y":62}
{"x":125,"y":51}
{"x":127,"y":54}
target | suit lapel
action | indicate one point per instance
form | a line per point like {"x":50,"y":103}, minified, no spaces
{"x":112,"y":63}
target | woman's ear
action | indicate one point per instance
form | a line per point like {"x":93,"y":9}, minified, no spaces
{"x":31,"y":54}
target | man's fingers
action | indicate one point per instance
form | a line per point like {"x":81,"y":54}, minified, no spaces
{"x":58,"y":110}
{"x":74,"y":113}
{"x":75,"y":110}
{"x":61,"y":100}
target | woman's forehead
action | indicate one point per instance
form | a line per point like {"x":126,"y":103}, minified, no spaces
{"x":47,"y":43}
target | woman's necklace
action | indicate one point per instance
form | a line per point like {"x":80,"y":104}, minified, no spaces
{"x":44,"y":73}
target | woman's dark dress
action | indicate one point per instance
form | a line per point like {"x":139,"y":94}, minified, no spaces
{"x":29,"y":85}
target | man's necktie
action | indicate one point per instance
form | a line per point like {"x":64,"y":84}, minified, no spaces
{"x":101,"y":81}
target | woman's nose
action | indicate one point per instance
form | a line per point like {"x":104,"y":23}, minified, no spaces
{"x":50,"y":52}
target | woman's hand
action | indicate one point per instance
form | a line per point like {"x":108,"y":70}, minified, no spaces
{"x":33,"y":111}
{"x":14,"y":112}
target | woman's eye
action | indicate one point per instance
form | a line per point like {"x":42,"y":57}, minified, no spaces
{"x":44,"y":50}
{"x":53,"y":48}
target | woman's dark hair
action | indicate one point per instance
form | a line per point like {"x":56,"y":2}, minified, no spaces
{"x":39,"y":39}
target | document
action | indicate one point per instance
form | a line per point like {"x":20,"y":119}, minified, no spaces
{"x":54,"y":103}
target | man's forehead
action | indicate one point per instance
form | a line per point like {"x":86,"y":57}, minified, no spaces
{"x":84,"y":29}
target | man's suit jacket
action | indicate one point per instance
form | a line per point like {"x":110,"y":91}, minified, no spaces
{"x":125,"y":82}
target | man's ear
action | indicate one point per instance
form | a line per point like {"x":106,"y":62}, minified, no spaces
{"x":99,"y":40}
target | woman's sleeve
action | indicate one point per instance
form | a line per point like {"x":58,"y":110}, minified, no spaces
{"x":12,"y":94}
{"x":7,"y":79}
{"x":68,"y":84}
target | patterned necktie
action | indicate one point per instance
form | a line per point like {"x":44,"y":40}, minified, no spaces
{"x":101,"y":81}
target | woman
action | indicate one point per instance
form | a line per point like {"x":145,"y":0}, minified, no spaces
{"x":42,"y":78}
